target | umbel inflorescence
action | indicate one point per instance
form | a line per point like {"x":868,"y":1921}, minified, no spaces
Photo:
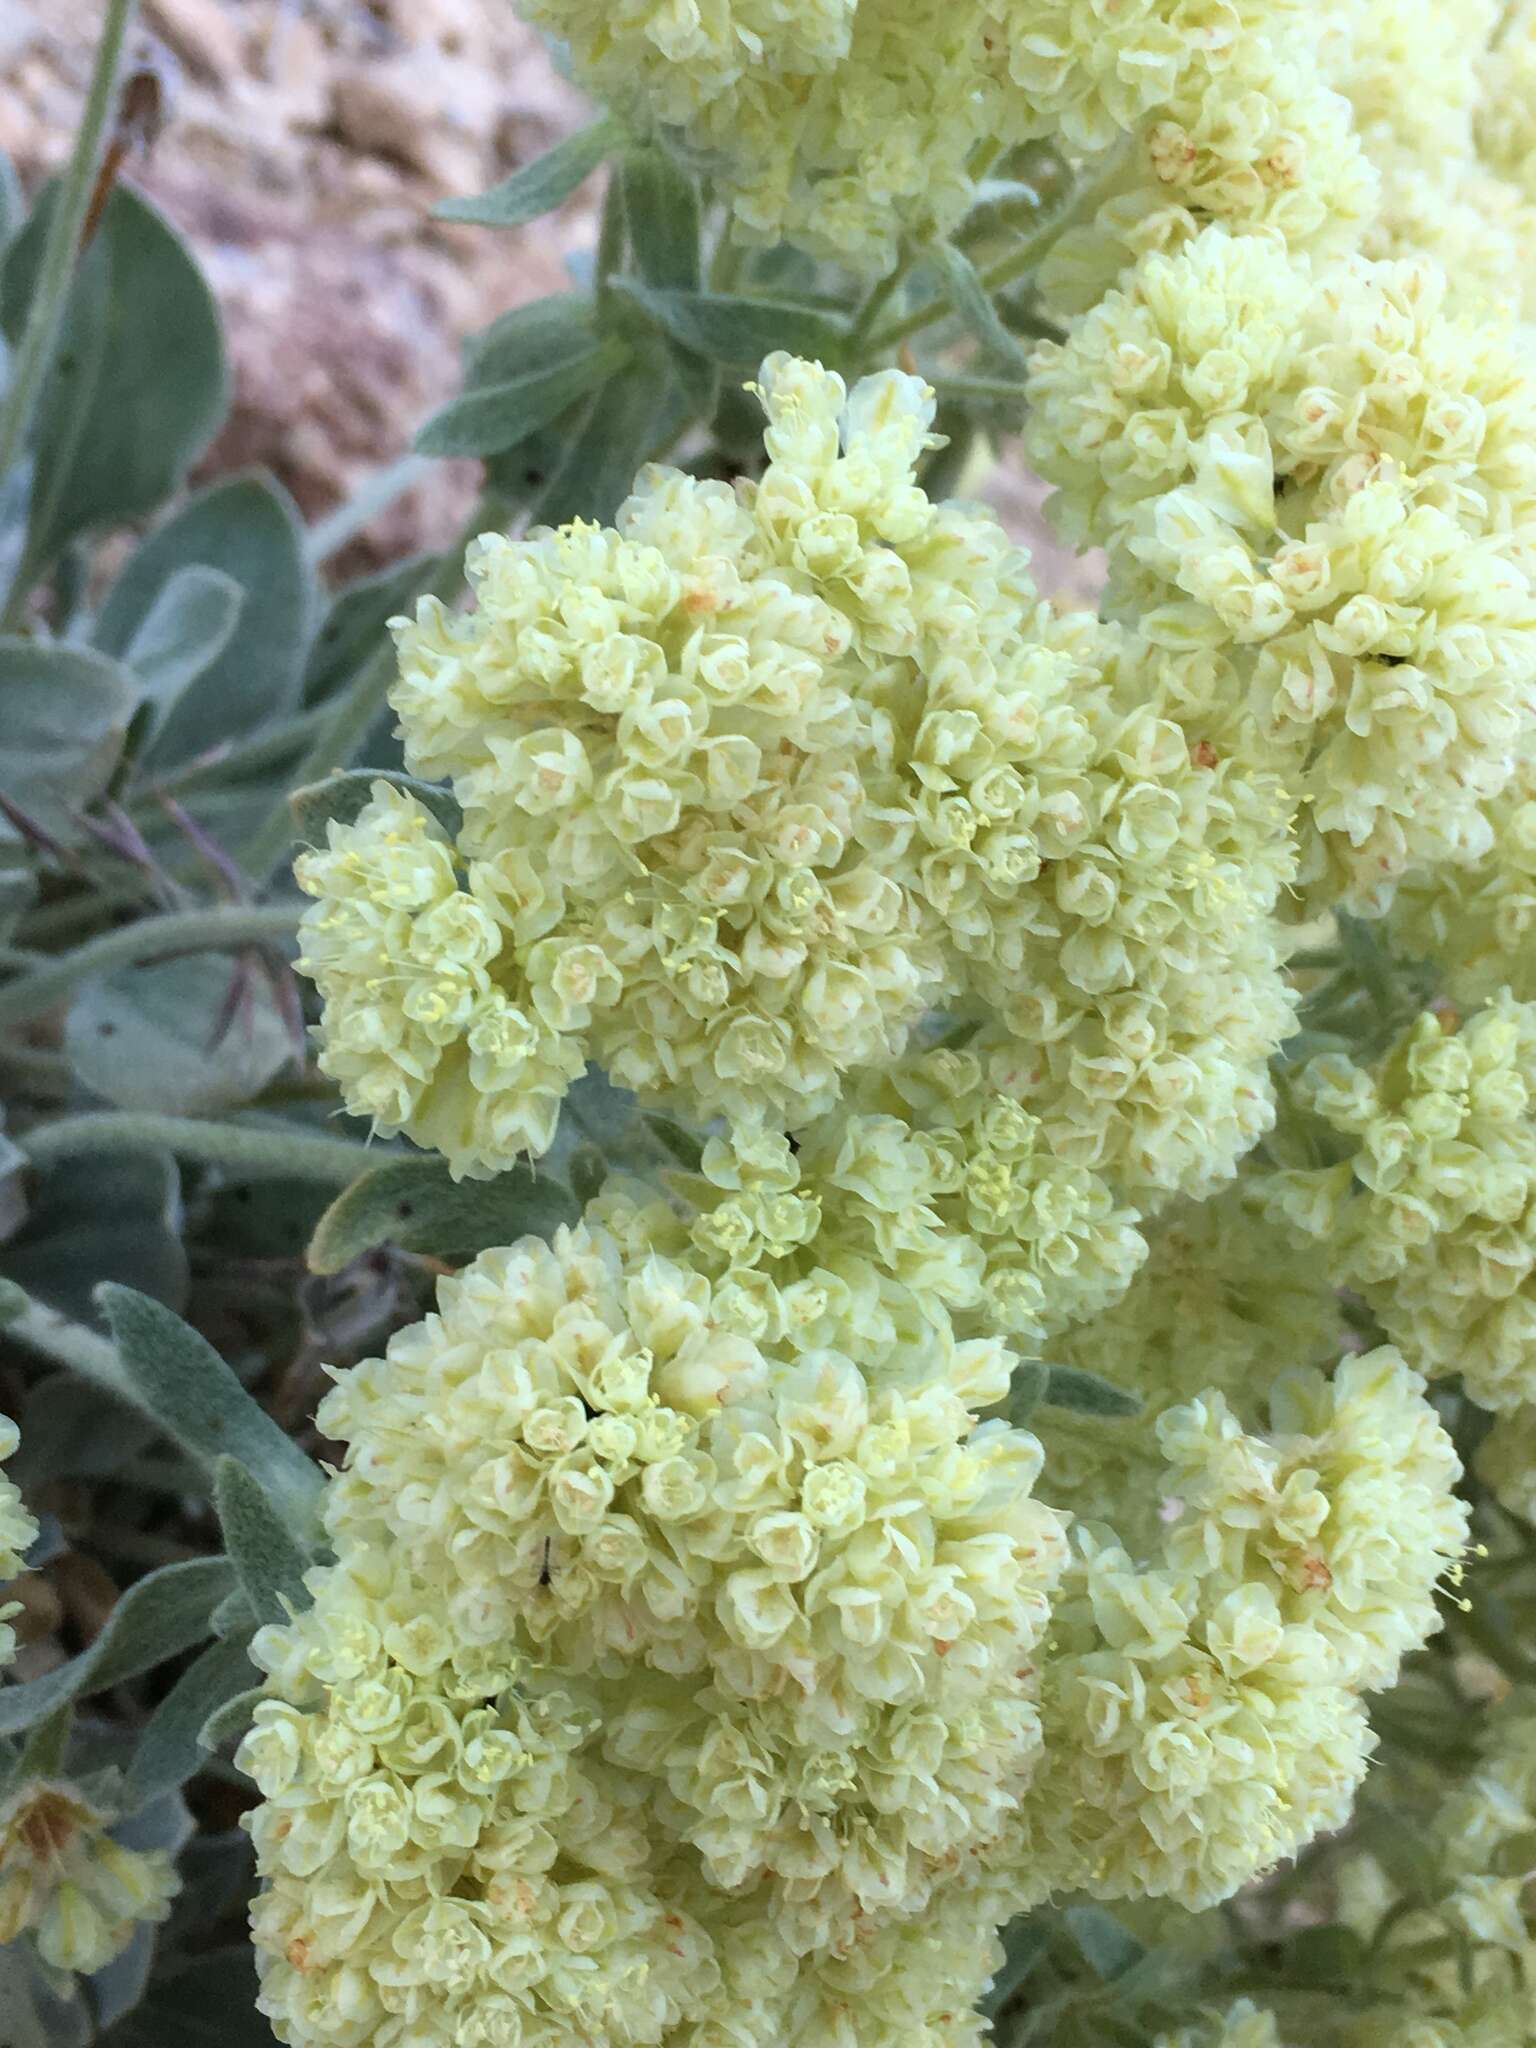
{"x":714,"y":1651}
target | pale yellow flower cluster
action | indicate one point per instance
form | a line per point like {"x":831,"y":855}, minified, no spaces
{"x":1431,"y":1215}
{"x":753,"y":782}
{"x":1329,"y":480}
{"x":1202,"y":1707}
{"x":1224,"y":1303}
{"x":67,"y":1884}
{"x":1477,"y":921}
{"x":841,"y":124}
{"x":633,"y":1629}
{"x":1243,"y":2025}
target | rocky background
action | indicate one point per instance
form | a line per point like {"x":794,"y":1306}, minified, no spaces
{"x":303,"y":146}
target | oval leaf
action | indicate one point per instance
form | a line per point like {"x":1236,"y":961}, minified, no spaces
{"x":246,"y":528}
{"x":412,"y":1203}
{"x":182,"y":1381}
{"x":538,"y":187}
{"x":735,"y":331}
{"x":269,"y":1563}
{"x":1071,"y":1387}
{"x":341,"y":798}
{"x":185,"y":630}
{"x":155,"y":1620}
{"x":494,"y":417}
{"x":190,"y":1035}
{"x":155,"y":388}
{"x":63,"y":714}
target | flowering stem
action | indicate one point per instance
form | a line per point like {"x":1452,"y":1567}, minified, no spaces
{"x":56,"y":270}
{"x":253,"y":1152}
{"x":1007,"y":270}
{"x":879,"y":298}
{"x":151,"y":938}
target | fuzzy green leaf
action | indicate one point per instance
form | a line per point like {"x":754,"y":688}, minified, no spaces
{"x":738,"y":332}
{"x":156,"y":1619}
{"x":342,"y":797}
{"x":140,"y":386}
{"x":108,"y":1217}
{"x":491,"y":418}
{"x":270,"y":1564}
{"x":968,"y":295}
{"x":170,"y":1749}
{"x":630,"y":419}
{"x":63,"y":714}
{"x":1107,"y":1948}
{"x":246,"y":528}
{"x":200,"y":1404}
{"x":528,"y":338}
{"x":187,"y":627}
{"x":537,"y":188}
{"x":414,"y":1204}
{"x":192,"y":1035}
{"x":1071,"y":1387}
{"x":661,"y":212}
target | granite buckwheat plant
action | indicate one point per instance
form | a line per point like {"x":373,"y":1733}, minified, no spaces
{"x":812,"y":1273}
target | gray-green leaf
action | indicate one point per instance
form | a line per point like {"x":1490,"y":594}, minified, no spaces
{"x":630,"y":418}
{"x":269,"y":1563}
{"x":140,"y":386}
{"x":1107,"y":1948}
{"x":63,"y":714}
{"x":738,"y":332}
{"x":539,"y":187}
{"x":661,"y":211}
{"x":178,"y":1035}
{"x":412,"y":1203}
{"x":968,"y":295}
{"x":111,"y":1217}
{"x":341,"y":798}
{"x":200,"y":1404}
{"x":156,"y":1619}
{"x":1071,"y":1387}
{"x":170,"y":1749}
{"x":247,"y":528}
{"x":494,"y":417}
{"x":185,"y":630}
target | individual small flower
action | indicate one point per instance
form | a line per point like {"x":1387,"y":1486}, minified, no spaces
{"x":69,"y":1885}
{"x":18,"y":1531}
{"x":1431,"y":1214}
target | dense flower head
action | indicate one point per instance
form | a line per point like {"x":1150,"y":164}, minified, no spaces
{"x":1224,"y":1303}
{"x":68,"y":1885}
{"x":842,"y":124}
{"x":809,"y":1605}
{"x":1431,"y":1216}
{"x":17,"y":1532}
{"x":1329,"y":478}
{"x":1194,"y":1738}
{"x":1476,"y":920}
{"x":933,"y":1205}
{"x":676,"y":748}
{"x":753,"y":782}
{"x":1120,"y":927}
{"x":1416,"y":74}
{"x":1201,"y":1706}
{"x":1263,"y":146}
